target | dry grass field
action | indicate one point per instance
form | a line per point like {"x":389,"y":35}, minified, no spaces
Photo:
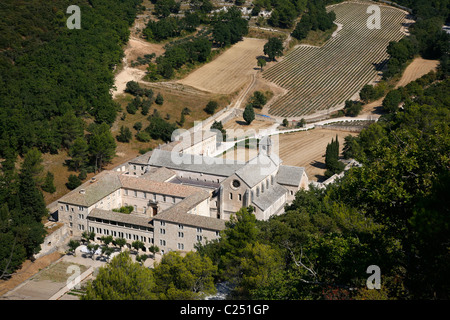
{"x":229,"y":71}
{"x":416,"y":69}
{"x":307,"y":149}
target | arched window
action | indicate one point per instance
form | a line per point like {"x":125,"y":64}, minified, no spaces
{"x":257,"y":191}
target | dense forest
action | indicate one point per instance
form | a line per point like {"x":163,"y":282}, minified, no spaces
{"x":53,"y":81}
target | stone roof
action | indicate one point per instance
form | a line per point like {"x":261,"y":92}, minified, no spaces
{"x":136,"y":219}
{"x":142,"y":159}
{"x":269,"y":196}
{"x":92,"y":191}
{"x":166,"y":188}
{"x":194,"y":163}
{"x":178,"y":213}
{"x":290,"y":175}
{"x":159,"y":174}
{"x":256,"y":170}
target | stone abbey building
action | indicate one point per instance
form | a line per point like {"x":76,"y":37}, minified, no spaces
{"x":179,"y":199}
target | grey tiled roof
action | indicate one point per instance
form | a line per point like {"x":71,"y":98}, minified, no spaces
{"x":136,"y":219}
{"x":178,"y":214}
{"x":289,"y":175}
{"x":194,"y":163}
{"x":269,"y":196}
{"x":167,"y":188}
{"x":159,"y":174}
{"x":105,"y":183}
{"x":256,"y":170}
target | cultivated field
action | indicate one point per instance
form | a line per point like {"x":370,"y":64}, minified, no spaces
{"x":230,"y":71}
{"x":320,"y":78}
{"x":307,"y":149}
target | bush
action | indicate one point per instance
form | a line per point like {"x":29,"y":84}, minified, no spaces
{"x":159,"y":99}
{"x":143,"y":136}
{"x":125,"y":135}
{"x":211,"y":107}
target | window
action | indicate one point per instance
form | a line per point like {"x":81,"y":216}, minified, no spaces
{"x":163,"y":223}
{"x":231,"y":196}
{"x":271,"y":180}
{"x":180,"y":246}
{"x":180,"y":235}
{"x":199,"y":230}
{"x":135,"y":193}
{"x":164,"y":198}
{"x":267,"y":184}
{"x":292,"y":192}
{"x":70,"y":218}
{"x":126,"y":192}
{"x":173,"y":200}
{"x":217,"y":233}
{"x":145,"y":195}
{"x":162,"y":242}
{"x":71,"y":224}
{"x":199,"y":238}
{"x":240,"y":197}
{"x":67,"y":207}
{"x":180,"y":226}
{"x":162,"y":231}
{"x":236,"y":183}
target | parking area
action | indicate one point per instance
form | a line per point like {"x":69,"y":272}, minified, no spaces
{"x":54,"y":278}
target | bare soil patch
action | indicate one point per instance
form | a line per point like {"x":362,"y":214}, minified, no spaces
{"x":231,"y":70}
{"x":307,"y":149}
{"x":416,"y":69}
{"x":27,"y":270}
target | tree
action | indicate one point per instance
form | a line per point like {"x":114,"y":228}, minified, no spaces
{"x":154,"y":250}
{"x":159,"y":99}
{"x":133,"y":88}
{"x":125,"y":134}
{"x":189,"y":277}
{"x":73,"y":245}
{"x":73,"y":182}
{"x":102,"y":146}
{"x":392,"y":100}
{"x":87,"y":236}
{"x":217,"y":125}
{"x":79,"y":153}
{"x":211,"y":107}
{"x":120,"y":242}
{"x":332,"y":158}
{"x":352,"y":108}
{"x":285,"y":122}
{"x":249,"y":113}
{"x":261,"y":63}
{"x":48,"y":185}
{"x":137,"y":245}
{"x":273,"y":48}
{"x":367,"y":93}
{"x":258,"y":100}
{"x":121,"y":279}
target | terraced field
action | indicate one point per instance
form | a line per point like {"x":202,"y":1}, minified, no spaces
{"x":323,"y":78}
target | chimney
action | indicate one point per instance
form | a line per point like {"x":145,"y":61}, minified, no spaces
{"x":83,"y":191}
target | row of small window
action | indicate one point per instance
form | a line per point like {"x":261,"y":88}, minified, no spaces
{"x":180,"y":234}
{"x":231,"y":197}
{"x":121,"y":224}
{"x":66,"y":208}
{"x":80,"y":216}
{"x":128,"y":236}
{"x":135,"y":194}
{"x":180,"y":246}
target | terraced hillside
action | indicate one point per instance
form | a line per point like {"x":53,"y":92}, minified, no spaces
{"x":322,"y":78}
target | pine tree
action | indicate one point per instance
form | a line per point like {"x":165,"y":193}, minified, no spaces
{"x":48,"y":185}
{"x":249,"y":113}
